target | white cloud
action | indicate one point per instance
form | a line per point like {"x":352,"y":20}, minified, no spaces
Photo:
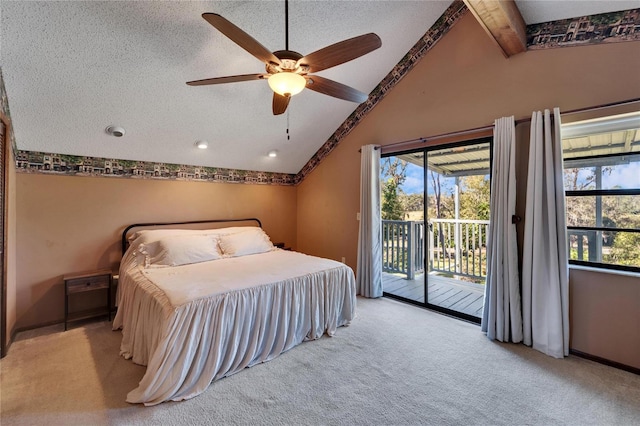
{"x":623,"y":176}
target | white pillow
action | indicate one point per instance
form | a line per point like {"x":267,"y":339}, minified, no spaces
{"x":249,"y":241}
{"x":148,"y":236}
{"x":180,"y":249}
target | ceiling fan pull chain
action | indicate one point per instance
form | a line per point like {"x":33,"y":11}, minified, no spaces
{"x":288,"y":135}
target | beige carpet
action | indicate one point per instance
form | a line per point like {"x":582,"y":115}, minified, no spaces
{"x":395,"y":364}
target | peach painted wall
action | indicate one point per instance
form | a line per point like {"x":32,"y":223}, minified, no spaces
{"x":464,"y":82}
{"x":68,"y":223}
{"x":605,"y":315}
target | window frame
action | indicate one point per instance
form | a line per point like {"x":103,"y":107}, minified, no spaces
{"x":599,"y":193}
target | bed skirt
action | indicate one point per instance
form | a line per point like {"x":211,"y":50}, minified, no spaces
{"x":186,"y":348}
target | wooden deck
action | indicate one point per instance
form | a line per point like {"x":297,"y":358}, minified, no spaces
{"x":449,"y":293}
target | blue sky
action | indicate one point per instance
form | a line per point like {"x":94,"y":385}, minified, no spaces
{"x":414,"y":183}
{"x":623,"y":176}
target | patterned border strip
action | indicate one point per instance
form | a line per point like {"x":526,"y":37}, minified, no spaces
{"x":72,"y":165}
{"x":594,"y":29}
{"x":58,"y":164}
{"x":448,"y":19}
{"x":602,"y":28}
{"x":4,"y":107}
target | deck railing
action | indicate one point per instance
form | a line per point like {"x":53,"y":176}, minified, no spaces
{"x":454,"y":246}
{"x":459,"y":247}
{"x":403,"y":247}
{"x":590,"y":251}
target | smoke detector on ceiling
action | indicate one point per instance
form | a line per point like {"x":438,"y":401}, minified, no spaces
{"x":115,"y":131}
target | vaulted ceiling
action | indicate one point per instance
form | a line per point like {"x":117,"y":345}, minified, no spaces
{"x":73,"y":68}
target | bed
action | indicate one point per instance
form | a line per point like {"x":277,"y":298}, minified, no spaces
{"x":195,"y":306}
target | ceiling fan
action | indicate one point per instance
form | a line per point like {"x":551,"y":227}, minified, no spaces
{"x":288,"y":72}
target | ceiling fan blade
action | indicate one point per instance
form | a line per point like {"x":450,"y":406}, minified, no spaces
{"x":341,"y":52}
{"x":229,"y":79}
{"x":335,"y":89}
{"x":280,"y":103}
{"x":241,"y":38}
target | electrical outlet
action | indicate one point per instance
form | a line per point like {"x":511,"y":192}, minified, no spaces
{"x":358,"y":216}
{"x":344,"y":260}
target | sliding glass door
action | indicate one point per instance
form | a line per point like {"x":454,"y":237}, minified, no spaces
{"x":435,"y":215}
{"x":403,"y":226}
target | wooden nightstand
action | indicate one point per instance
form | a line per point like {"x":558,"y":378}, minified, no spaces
{"x":115,"y":281}
{"x":76,"y":285}
{"x":281,"y":246}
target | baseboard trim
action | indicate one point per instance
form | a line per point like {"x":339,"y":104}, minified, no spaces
{"x":14,"y":333}
{"x":12,"y":337}
{"x":605,"y":361}
{"x":33,"y":327}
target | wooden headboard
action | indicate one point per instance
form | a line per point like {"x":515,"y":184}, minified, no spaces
{"x":215,"y":223}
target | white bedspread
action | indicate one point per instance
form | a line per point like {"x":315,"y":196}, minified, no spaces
{"x":193,"y":324}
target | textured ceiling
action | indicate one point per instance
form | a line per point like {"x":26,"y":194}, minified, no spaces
{"x":73,"y":68}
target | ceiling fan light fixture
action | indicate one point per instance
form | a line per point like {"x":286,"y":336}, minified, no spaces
{"x":273,"y":153}
{"x":287,"y":83}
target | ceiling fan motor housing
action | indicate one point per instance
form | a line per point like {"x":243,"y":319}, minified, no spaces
{"x":288,"y":63}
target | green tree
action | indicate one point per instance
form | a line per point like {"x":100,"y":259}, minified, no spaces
{"x":393,"y":173}
{"x":391,"y":206}
{"x":605,"y":18}
{"x":474,"y":197}
{"x":437,"y":193}
{"x":626,"y":245}
{"x":127,"y":164}
{"x":71,"y":159}
{"x":412,"y":202}
{"x":619,"y":211}
{"x":439,"y":206}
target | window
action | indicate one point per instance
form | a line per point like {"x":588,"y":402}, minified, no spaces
{"x":602,"y":187}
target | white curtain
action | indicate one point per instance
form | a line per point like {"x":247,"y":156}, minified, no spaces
{"x":369,"y":273}
{"x":502,"y":315}
{"x":545,"y":268}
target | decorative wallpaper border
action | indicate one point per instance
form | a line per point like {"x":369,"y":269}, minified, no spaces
{"x":59,"y":164}
{"x":4,"y":107}
{"x":449,"y":18}
{"x":593,"y":29}
{"x":4,"y":101}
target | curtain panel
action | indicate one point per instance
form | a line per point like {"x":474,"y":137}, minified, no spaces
{"x":545,"y":266}
{"x":369,"y":269}
{"x":502,"y":315}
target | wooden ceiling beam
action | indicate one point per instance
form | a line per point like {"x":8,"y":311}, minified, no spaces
{"x":503,"y":22}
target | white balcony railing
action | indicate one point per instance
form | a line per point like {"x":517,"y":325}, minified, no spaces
{"x":403,"y":247}
{"x":456,"y":247}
